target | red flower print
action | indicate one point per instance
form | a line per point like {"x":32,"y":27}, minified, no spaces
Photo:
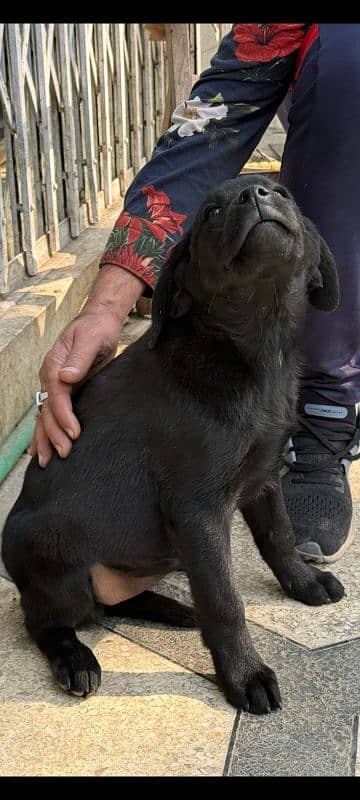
{"x":158,"y":204}
{"x":132,"y":261}
{"x":135,"y":225}
{"x":158,"y":232}
{"x":122,"y":220}
{"x":264,"y":42}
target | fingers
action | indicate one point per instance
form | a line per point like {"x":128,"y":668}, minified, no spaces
{"x":101,"y":364}
{"x":59,"y":422}
{"x":49,"y":432}
{"x":48,"y":435}
{"x":56,"y":425}
{"x":32,"y":448}
{"x":86,"y":350}
{"x":86,"y":343}
{"x":40,"y":444}
{"x":57,"y":411}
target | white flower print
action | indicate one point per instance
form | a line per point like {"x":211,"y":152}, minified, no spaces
{"x":193,"y":116}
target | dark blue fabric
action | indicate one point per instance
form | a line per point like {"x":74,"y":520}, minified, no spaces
{"x":321,"y":167}
{"x":187,"y":167}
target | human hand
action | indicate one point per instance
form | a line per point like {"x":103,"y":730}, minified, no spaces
{"x":83,"y":348}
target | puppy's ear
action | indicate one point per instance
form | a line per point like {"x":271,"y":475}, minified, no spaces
{"x":323,"y":282}
{"x":171,"y":300}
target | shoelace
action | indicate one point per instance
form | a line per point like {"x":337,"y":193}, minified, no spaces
{"x":313,"y":472}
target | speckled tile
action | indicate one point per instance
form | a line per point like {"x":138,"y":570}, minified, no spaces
{"x":315,"y":732}
{"x":150,"y":717}
{"x":356,"y":729}
{"x":181,"y":645}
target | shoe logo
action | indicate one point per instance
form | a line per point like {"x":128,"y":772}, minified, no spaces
{"x":334,"y":412}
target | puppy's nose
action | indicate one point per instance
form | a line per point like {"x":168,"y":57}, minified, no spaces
{"x":253,"y":192}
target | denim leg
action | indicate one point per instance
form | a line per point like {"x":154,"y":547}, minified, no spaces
{"x":321,"y":167}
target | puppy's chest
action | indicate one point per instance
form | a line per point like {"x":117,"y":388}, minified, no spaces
{"x":257,"y":458}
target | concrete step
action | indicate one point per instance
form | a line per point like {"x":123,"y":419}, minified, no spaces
{"x":32,"y":317}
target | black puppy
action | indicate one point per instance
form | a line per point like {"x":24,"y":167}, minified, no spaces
{"x":189,"y":422}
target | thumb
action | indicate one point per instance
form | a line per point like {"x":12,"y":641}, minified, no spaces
{"x":80,"y":360}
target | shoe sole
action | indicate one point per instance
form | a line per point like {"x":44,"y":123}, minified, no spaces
{"x":321,"y":559}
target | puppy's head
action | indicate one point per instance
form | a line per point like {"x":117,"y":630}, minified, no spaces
{"x":249,"y":239}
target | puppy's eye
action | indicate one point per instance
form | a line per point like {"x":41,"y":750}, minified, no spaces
{"x":214,"y":212}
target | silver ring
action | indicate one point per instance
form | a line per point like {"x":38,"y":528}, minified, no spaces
{"x":39,"y":399}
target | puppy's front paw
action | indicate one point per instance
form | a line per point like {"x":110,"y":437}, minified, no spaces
{"x":76,"y":670}
{"x":259,"y":693}
{"x":314,"y":588}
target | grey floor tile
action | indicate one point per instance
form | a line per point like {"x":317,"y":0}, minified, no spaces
{"x":314,"y":732}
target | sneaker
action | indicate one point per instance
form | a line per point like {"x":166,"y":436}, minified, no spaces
{"x":315,"y":478}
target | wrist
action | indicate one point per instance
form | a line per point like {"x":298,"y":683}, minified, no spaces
{"x":114,"y":291}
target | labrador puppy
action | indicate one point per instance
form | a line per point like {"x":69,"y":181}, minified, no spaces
{"x":190,"y":422}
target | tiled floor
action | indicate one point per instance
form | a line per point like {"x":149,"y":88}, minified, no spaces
{"x":150,"y":717}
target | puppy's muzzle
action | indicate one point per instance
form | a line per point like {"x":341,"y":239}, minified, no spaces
{"x":254,"y":205}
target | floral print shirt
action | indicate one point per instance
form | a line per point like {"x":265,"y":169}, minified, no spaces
{"x":211,"y":136}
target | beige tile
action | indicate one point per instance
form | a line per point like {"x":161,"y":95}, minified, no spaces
{"x":355,"y":481}
{"x":151,"y":717}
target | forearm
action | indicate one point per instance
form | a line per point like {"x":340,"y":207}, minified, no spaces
{"x":115,"y":291}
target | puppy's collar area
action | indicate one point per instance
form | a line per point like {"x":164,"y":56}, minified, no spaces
{"x":212,"y":301}
{"x":227,"y":268}
{"x":266,"y":295}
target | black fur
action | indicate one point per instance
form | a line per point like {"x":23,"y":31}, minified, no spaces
{"x":189,"y":422}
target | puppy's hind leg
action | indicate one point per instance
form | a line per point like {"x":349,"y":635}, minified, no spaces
{"x":123,"y":594}
{"x":156,"y":608}
{"x":51,"y":615}
{"x":55,"y":597}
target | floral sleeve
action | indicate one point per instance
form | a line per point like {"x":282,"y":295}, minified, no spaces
{"x":211,"y":137}
{"x":139,"y":244}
